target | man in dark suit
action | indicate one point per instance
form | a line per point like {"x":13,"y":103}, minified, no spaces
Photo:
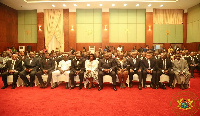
{"x":164,"y":67}
{"x":192,"y":63}
{"x":77,"y":68}
{"x":149,"y":67}
{"x":198,"y":57}
{"x":47,"y":67}
{"x":107,"y":67}
{"x":134,"y":67}
{"x":13,"y":67}
{"x":31,"y":65}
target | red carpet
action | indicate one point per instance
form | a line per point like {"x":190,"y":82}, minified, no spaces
{"x":58,"y":102}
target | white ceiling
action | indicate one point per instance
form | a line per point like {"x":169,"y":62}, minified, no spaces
{"x":82,"y":4}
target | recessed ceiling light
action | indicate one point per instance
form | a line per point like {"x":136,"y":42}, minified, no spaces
{"x":100,"y":4}
{"x":53,"y":5}
{"x":137,"y":5}
{"x":64,"y":5}
{"x":161,"y":5}
{"x":75,"y":5}
{"x":88,"y":4}
{"x":149,"y":5}
{"x":113,"y":4}
{"x":125,"y":4}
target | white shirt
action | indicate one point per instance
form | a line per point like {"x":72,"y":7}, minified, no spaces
{"x":64,"y":65}
{"x":119,"y":49}
{"x":13,"y":64}
{"x":149,"y":63}
{"x":91,"y":65}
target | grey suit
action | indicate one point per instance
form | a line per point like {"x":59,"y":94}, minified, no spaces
{"x":34,"y":65}
{"x":181,"y":66}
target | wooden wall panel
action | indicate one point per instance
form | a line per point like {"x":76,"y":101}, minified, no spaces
{"x":72,"y":33}
{"x":105,"y":33}
{"x":8,"y":28}
{"x":149,"y":33}
{"x":40,"y":33}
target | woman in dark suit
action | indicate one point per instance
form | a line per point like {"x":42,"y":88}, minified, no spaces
{"x":122,"y":71}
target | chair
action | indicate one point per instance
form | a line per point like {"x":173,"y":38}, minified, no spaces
{"x":87,"y":81}
{"x":108,"y":78}
{"x":10,"y":80}
{"x":149,"y":76}
{"x":164,"y":78}
{"x":28,"y":76}
{"x":44,"y":78}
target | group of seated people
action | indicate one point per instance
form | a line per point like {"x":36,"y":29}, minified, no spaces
{"x":88,"y":66}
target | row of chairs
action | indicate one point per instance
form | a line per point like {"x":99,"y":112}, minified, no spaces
{"x":106,"y":78}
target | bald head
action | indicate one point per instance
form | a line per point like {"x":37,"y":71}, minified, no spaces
{"x":14,"y":56}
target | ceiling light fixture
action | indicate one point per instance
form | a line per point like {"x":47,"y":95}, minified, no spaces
{"x":53,"y":5}
{"x":149,"y":5}
{"x":64,"y":5}
{"x":161,"y":5}
{"x":113,"y":4}
{"x":88,"y":4}
{"x":100,"y":4}
{"x":137,"y":5}
{"x":125,"y":4}
{"x":75,"y":5}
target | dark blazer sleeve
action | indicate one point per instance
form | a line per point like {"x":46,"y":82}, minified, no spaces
{"x":143,"y":64}
{"x":72,"y":68}
{"x":19,"y":65}
{"x":100,"y":64}
{"x":7,"y":66}
{"x":83,"y":65}
{"x":113,"y":65}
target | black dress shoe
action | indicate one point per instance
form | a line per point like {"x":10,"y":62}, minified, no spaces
{"x":131,"y":85}
{"x":13,"y":87}
{"x":182,"y":87}
{"x":80,"y":87}
{"x":171,"y":86}
{"x":67,"y":86}
{"x":114,"y":88}
{"x":72,"y":87}
{"x":100,"y":88}
{"x":185,"y":86}
{"x":164,"y":87}
{"x":31,"y":85}
{"x":140,"y":87}
{"x":144,"y":86}
{"x":5,"y":86}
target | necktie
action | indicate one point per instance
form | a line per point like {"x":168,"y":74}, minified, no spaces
{"x":164,"y":64}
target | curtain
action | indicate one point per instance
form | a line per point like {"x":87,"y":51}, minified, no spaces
{"x":167,"y":16}
{"x":53,"y":28}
